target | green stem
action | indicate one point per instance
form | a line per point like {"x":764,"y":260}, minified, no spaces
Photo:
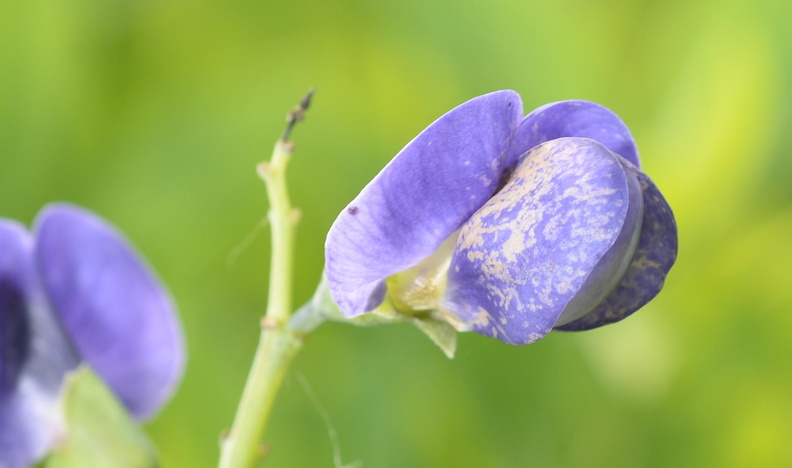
{"x":283,"y":221}
{"x":242,"y":448}
{"x":277,"y":345}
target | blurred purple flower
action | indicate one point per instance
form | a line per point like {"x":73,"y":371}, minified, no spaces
{"x":75,"y":291}
{"x":507,"y":226}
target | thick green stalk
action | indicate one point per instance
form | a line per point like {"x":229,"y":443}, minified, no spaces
{"x":242,"y":447}
{"x":277,"y":345}
{"x":283,"y":221}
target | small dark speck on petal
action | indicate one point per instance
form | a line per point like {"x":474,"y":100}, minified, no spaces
{"x":353,"y":210}
{"x":509,"y":105}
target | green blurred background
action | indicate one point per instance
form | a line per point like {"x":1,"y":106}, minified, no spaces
{"x":154,"y":113}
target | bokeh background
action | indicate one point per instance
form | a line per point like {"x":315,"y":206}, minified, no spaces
{"x":154,"y":113}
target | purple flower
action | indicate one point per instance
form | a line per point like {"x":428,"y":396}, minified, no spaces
{"x":74,"y":291}
{"x":508,"y":226}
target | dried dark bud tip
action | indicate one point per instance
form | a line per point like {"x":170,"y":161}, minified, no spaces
{"x":305,"y":103}
{"x":297,"y":114}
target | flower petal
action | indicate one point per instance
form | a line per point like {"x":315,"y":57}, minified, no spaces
{"x":574,"y":118}
{"x":34,"y":355}
{"x":16,"y":282}
{"x":423,"y":195}
{"x":29,"y":425}
{"x":654,"y":256}
{"x":610,"y":270}
{"x":527,"y":253}
{"x":118,"y":315}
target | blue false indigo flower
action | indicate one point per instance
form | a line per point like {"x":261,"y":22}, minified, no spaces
{"x":508,"y":226}
{"x":74,"y":291}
